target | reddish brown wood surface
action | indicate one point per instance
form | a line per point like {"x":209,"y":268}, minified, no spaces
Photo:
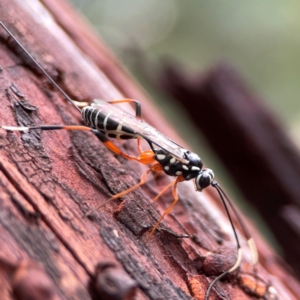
{"x":251,"y":142}
{"x":49,"y":180}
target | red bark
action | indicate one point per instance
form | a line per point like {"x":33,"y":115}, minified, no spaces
{"x":49,"y":180}
{"x":251,"y":142}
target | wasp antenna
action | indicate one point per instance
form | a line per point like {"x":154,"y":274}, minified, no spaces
{"x":239,"y":249}
{"x":234,"y":267}
{"x":213,"y":283}
{"x":219,"y":190}
{"x":250,"y":240}
{"x":40,"y":67}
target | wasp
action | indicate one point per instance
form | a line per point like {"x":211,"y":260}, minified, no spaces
{"x":107,"y":121}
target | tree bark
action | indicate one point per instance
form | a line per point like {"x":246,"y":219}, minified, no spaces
{"x":49,"y":180}
{"x":251,"y":142}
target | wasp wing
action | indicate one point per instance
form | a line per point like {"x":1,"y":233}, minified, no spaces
{"x":140,"y":129}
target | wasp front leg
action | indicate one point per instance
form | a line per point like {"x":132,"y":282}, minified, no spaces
{"x":155,"y":168}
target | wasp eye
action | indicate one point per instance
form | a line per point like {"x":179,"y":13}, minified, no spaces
{"x":204,"y":179}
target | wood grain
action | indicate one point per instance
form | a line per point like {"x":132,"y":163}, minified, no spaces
{"x":49,"y":180}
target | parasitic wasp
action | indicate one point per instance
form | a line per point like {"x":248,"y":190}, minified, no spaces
{"x":106,"y":121}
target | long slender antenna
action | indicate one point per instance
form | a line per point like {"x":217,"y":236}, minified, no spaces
{"x":244,"y":228}
{"x":248,"y":236}
{"x":217,"y":187}
{"x":239,"y":249}
{"x":40,"y":67}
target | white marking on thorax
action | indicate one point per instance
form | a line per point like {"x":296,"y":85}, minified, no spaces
{"x":161,"y":156}
{"x":185,"y":167}
{"x":167,"y":168}
{"x":172,"y":160}
{"x":195,"y":168}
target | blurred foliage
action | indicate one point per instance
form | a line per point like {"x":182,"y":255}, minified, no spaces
{"x":260,"y":38}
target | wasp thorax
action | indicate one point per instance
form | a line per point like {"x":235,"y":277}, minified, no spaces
{"x":204,"y":179}
{"x":194,"y":159}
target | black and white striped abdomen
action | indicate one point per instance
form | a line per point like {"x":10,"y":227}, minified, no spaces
{"x":107,"y":122}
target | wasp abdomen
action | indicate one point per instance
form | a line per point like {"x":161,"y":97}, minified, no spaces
{"x":105,"y":122}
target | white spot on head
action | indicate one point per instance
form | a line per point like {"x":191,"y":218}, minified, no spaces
{"x":178,"y":173}
{"x":195,"y":168}
{"x":160,"y":156}
{"x":185,"y":167}
{"x":166,"y":168}
{"x":172,"y":160}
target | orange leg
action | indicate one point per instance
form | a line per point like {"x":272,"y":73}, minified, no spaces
{"x":155,"y":168}
{"x":164,"y":190}
{"x":138,"y":108}
{"x":138,"y":113}
{"x":145,"y":157}
{"x":175,"y":195}
{"x":139,"y":145}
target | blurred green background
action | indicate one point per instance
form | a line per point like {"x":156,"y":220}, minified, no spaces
{"x":260,"y":38}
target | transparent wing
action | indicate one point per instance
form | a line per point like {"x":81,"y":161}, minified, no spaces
{"x":142,"y":129}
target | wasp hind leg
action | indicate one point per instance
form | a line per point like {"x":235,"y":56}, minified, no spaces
{"x":138,"y":107}
{"x":138,"y":114}
{"x":145,"y":157}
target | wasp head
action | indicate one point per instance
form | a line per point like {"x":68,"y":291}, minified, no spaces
{"x":204,"y":179}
